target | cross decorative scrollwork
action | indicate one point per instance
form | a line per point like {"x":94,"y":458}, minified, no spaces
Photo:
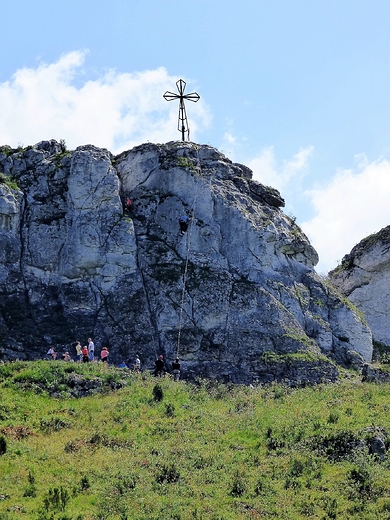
{"x":182,"y":125}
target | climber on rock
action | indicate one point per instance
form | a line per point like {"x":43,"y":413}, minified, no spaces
{"x":128,"y":204}
{"x":183,"y":223}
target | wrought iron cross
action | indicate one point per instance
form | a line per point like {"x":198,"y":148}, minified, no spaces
{"x":182,"y":124}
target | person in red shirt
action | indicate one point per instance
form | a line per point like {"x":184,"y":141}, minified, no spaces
{"x":84,"y":353}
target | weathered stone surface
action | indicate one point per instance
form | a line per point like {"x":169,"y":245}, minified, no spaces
{"x":364,"y":277}
{"x":374,"y":374}
{"x":238,"y":284}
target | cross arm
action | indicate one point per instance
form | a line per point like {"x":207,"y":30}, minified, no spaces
{"x":170,"y":96}
{"x":192,"y":97}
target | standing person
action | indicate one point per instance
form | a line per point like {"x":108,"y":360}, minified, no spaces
{"x":176,"y":369}
{"x":91,"y":349}
{"x":51,"y":353}
{"x":84,"y":353}
{"x":79,"y":348}
{"x":104,"y":355}
{"x":160,"y":366}
{"x":137,"y":364}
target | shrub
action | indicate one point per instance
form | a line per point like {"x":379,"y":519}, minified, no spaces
{"x":297,"y":468}
{"x":336,"y":446}
{"x":56,"y":499}
{"x":238,"y":484}
{"x":333,"y":418}
{"x":3,"y":445}
{"x":158,"y":393}
{"x":8,"y":181}
{"x":84,"y":483}
{"x":170,"y":410}
{"x":167,"y":475}
{"x":361,"y":480}
{"x":54,"y":425}
{"x":30,"y":491}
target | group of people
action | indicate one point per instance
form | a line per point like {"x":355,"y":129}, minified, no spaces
{"x":136,"y":365}
{"x":86,"y":354}
{"x":161,"y":369}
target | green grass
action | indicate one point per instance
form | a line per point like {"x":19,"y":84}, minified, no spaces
{"x":204,"y":451}
{"x":8,"y":181}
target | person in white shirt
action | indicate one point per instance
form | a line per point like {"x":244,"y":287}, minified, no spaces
{"x":91,"y":349}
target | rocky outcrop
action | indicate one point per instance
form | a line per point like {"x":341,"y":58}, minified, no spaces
{"x":364,"y":277}
{"x":76,"y":261}
{"x":375,"y":374}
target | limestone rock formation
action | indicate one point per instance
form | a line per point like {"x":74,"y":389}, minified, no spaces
{"x":237,"y":287}
{"x":364,"y":277}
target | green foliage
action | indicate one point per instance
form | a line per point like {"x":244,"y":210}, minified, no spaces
{"x":54,"y":376}
{"x":239,"y":484}
{"x":305,"y":356}
{"x":84,"y":483}
{"x":8,"y":181}
{"x":31,"y":490}
{"x":381,"y":353}
{"x":6,"y":150}
{"x":186,"y":162}
{"x":205,"y":451}
{"x":158,"y":393}
{"x":56,"y":499}
{"x":170,"y":410}
{"x":167,"y":474}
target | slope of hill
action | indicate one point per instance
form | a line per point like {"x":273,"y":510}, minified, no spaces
{"x":158,"y":450}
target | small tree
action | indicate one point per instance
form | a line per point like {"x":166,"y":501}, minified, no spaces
{"x":158,"y":394}
{"x":3,"y":445}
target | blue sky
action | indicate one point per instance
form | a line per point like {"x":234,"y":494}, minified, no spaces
{"x":298,"y":91}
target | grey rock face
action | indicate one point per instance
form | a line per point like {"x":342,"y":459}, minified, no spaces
{"x":76,"y":263}
{"x":364,"y":277}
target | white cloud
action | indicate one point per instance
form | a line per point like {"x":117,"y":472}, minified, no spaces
{"x":353,"y":205}
{"x":267,"y":171}
{"x":116,"y":111}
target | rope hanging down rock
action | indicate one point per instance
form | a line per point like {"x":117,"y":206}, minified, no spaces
{"x":185,"y":274}
{"x":187,"y":258}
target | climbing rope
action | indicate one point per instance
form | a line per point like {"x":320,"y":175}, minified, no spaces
{"x":186,"y":263}
{"x":185,"y":274}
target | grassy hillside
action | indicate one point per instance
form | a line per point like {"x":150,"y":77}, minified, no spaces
{"x":156,"y":449}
